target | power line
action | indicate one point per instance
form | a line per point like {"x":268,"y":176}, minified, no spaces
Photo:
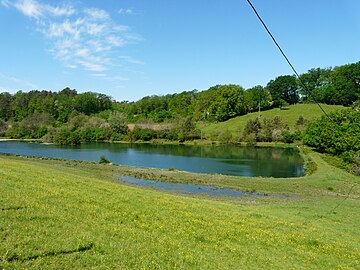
{"x":286,"y":58}
{"x":303,"y":84}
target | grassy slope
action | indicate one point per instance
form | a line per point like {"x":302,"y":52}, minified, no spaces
{"x":236,"y":125}
{"x":71,"y":215}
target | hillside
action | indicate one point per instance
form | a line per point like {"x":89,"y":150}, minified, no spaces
{"x":236,"y":125}
{"x":74,"y":215}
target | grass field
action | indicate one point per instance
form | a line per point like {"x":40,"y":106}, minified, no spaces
{"x":58,"y":214}
{"x":236,"y":125}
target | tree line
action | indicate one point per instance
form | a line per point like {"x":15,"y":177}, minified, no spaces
{"x":336,"y":86}
{"x":70,"y":117}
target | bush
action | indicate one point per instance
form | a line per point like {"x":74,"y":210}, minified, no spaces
{"x":288,"y":137}
{"x":339,"y":136}
{"x":143,"y":134}
{"x":104,"y":160}
{"x":65,"y":136}
{"x":336,"y":136}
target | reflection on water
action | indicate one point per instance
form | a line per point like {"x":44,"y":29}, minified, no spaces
{"x":193,"y":189}
{"x":232,"y":160}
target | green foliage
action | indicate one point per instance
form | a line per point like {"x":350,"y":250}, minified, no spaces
{"x":253,"y":127}
{"x":142,"y":134}
{"x":335,"y":136}
{"x":104,"y":160}
{"x":257,"y":98}
{"x":346,"y":84}
{"x":317,"y":82}
{"x":68,"y":109}
{"x":90,"y":103}
{"x":284,"y":88}
{"x":269,"y":130}
{"x":66,"y":136}
{"x":118,"y":122}
{"x":339,"y":135}
{"x":225,"y":137}
{"x":6,"y":100}
{"x":221,"y":102}
{"x":3,"y":127}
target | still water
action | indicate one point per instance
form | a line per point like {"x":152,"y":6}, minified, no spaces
{"x":194,"y":189}
{"x":231,"y":160}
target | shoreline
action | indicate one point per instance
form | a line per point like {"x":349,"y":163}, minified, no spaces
{"x":167,"y":142}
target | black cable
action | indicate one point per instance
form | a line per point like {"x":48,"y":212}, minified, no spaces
{"x":303,"y":84}
{"x":287,"y":59}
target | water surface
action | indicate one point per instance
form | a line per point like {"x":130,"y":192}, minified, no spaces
{"x":230,"y":160}
{"x":193,"y":189}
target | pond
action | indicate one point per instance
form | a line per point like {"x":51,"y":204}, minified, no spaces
{"x":225,"y":159}
{"x":194,"y":189}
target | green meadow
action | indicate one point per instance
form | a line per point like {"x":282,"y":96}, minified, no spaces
{"x":290,"y":115}
{"x":57,"y":214}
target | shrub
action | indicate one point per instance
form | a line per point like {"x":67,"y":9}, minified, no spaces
{"x":103,"y":160}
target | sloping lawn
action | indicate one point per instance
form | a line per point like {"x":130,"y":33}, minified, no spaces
{"x":71,"y":215}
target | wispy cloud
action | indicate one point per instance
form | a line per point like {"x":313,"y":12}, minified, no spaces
{"x":83,"y":38}
{"x":6,"y":3}
{"x":30,"y":8}
{"x":34,"y":9}
{"x":12,"y":80}
{"x":131,"y":60}
{"x":128,"y":11}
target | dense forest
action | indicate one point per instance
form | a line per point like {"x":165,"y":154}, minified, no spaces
{"x":68,"y":117}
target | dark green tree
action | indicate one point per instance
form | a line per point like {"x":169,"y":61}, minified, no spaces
{"x":20,"y":106}
{"x":346,"y":84}
{"x":6,"y":100}
{"x":284,"y":88}
{"x":316,"y":81}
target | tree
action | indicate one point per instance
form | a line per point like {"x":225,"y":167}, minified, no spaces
{"x":284,"y":88}
{"x":257,"y":96}
{"x":91,"y":103}
{"x":253,"y":127}
{"x":6,"y":100}
{"x":316,"y":82}
{"x":3,"y":127}
{"x":337,"y":135}
{"x":118,"y":122}
{"x":220,"y":103}
{"x":346,"y":84}
{"x":20,"y":106}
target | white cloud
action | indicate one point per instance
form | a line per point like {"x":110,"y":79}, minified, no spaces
{"x":30,"y":8}
{"x":18,"y":83}
{"x":99,"y":75}
{"x":131,"y":60}
{"x":94,"y":28}
{"x":91,"y":65}
{"x":121,"y":28}
{"x":97,"y":14}
{"x":79,"y":38}
{"x":84,"y":52}
{"x":72,"y":66}
{"x":128,"y":11}
{"x":65,"y":28}
{"x":115,"y":41}
{"x":60,"y":11}
{"x":34,"y":9}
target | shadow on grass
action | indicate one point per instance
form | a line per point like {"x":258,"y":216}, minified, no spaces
{"x":11,"y":208}
{"x":81,"y":248}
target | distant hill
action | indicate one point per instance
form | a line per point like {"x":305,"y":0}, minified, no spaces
{"x":236,"y":125}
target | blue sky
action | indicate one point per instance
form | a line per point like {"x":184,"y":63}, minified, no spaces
{"x":129,"y":49}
